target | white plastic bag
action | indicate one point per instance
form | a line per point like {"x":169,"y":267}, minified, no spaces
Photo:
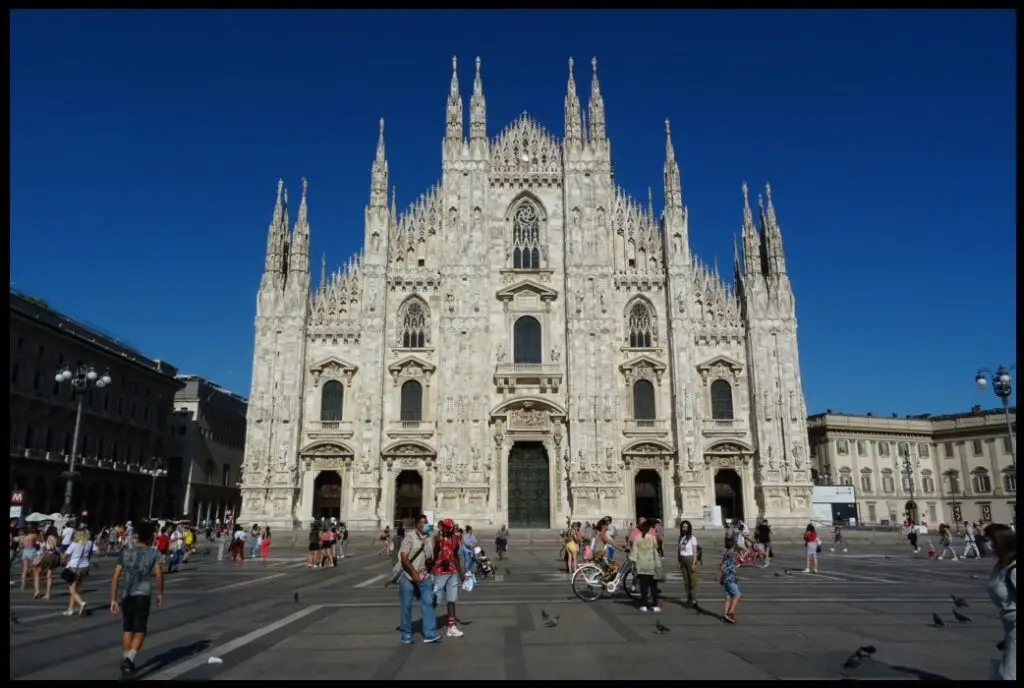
{"x":469,"y":582}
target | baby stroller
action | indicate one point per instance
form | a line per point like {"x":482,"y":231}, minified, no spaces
{"x":484,"y":568}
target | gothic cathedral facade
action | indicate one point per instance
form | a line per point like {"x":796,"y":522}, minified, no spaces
{"x":524,"y":345}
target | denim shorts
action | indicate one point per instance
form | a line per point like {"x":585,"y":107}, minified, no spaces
{"x":732,"y":589}
{"x":447,"y":585}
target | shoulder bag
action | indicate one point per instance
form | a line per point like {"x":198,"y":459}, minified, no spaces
{"x":398,"y":569}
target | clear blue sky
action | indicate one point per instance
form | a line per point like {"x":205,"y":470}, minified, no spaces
{"x":145,"y":149}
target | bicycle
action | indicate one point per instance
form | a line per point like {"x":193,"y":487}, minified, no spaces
{"x":589,"y":584}
{"x":753,"y":555}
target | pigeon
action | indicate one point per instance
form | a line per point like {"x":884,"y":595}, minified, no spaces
{"x":868,"y":650}
{"x":974,"y":576}
{"x":296,"y":598}
{"x":937,"y":621}
{"x":544,"y":615}
{"x":853,"y":661}
{"x":778,"y":574}
{"x":551,"y":622}
{"x":959,"y":601}
{"x":660,"y":628}
{"x":960,"y":617}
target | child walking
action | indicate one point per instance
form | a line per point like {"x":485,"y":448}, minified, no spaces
{"x":727,"y":579}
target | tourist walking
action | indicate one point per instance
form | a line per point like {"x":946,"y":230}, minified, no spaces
{"x":501,"y":542}
{"x":137,"y":573}
{"x":838,"y":539}
{"x":415,"y":582}
{"x":689,"y":559}
{"x":649,"y":570}
{"x":726,"y":577}
{"x":265,"y":544}
{"x":763,"y":535}
{"x":76,"y":568}
{"x":1002,"y":588}
{"x":811,"y":549}
{"x":946,"y":542}
{"x":448,"y":572}
{"x":970,"y":541}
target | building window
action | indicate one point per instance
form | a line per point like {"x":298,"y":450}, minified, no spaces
{"x":862,"y":448}
{"x":952,"y":482}
{"x":928,"y":484}
{"x":643,"y":400}
{"x":226,"y":476}
{"x":332,"y":398}
{"x":527,"y":345}
{"x":210,"y":472}
{"x":865,"y":483}
{"x":981,"y":482}
{"x":842,"y":447}
{"x":907,"y":483}
{"x":30,"y":436}
{"x":947,"y":448}
{"x":872,"y":514}
{"x":888,"y":484}
{"x":845,"y":480}
{"x":986,"y":512}
{"x":414,"y":325}
{"x":1007,"y":445}
{"x":48,"y":441}
{"x":883,"y":449}
{"x":721,"y":400}
{"x":977,"y":447}
{"x":412,"y":401}
{"x":526,"y":237}
{"x":99,"y":448}
{"x":640,"y":326}
{"x":814,"y":451}
{"x":37,"y":380}
{"x":1009,"y":482}
{"x":922,"y":450}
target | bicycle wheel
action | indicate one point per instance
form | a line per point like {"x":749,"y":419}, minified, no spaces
{"x":630,"y":585}
{"x":588,"y":583}
{"x":761,"y":560}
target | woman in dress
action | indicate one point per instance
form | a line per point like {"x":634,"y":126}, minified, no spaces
{"x":76,"y":563}
{"x":265,"y":544}
{"x":1002,"y":588}
{"x":29,"y":549}
{"x":811,"y":549}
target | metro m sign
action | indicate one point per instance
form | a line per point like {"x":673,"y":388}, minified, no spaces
{"x":17,"y":498}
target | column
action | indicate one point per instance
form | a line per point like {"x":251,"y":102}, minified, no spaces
{"x":667,"y":498}
{"x":347,"y":486}
{"x":306,"y":496}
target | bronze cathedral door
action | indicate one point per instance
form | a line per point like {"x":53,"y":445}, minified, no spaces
{"x":529,"y":486}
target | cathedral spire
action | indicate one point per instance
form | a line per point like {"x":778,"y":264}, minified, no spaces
{"x":379,"y":174}
{"x":596,"y":107}
{"x":394,"y":206}
{"x":573,"y":122}
{"x":453,"y":123}
{"x":298,"y":250}
{"x":478,"y":110}
{"x":673,"y":184}
{"x":749,"y":237}
{"x":323,"y":272}
{"x":774,"y":254}
{"x":277,"y":235}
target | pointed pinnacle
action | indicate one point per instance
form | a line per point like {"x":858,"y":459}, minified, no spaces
{"x":280,"y":187}
{"x":455,"y":63}
{"x":478,"y":65}
{"x":571,"y":63}
{"x":593,"y":64}
{"x":768,"y":192}
{"x":746,"y":194}
{"x":305,"y":187}
{"x":668,"y":127}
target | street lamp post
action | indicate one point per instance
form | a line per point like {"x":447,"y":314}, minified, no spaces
{"x":908,"y":470}
{"x":827,"y":479}
{"x":81,"y":381}
{"x":155,"y":470}
{"x":1002,"y":385}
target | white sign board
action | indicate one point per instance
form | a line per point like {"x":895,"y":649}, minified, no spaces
{"x":833,"y":494}
{"x":16,"y":511}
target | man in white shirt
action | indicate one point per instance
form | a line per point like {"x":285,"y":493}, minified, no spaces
{"x":65,"y":536}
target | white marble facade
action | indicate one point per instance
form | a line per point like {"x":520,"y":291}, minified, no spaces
{"x":524,"y":344}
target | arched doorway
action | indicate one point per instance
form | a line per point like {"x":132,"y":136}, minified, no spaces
{"x":911,"y":511}
{"x":408,"y":498}
{"x":647,"y":494}
{"x":729,"y":493}
{"x":529,"y":486}
{"x":327,"y":495}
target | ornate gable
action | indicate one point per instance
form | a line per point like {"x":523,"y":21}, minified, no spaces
{"x":643,"y":368}
{"x":333,"y":368}
{"x":525,"y":151}
{"x":526,"y":287}
{"x":413,"y":367}
{"x":720,"y":367}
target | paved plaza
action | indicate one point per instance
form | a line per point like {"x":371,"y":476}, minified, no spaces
{"x":344,"y":624}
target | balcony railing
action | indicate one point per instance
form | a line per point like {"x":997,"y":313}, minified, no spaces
{"x":57,"y":457}
{"x":633,"y":426}
{"x":334,"y":428}
{"x":411,"y":428}
{"x":724,"y":426}
{"x":545,"y":376}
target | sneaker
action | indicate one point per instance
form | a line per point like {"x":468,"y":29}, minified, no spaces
{"x":644,"y":609}
{"x":433,"y":639}
{"x":655,"y":609}
{"x":731,"y":618}
{"x":454,"y":632}
{"x":127,"y":668}
{"x":832,"y":550}
{"x":807,"y":571}
{"x":407,"y":641}
{"x":844,"y":549}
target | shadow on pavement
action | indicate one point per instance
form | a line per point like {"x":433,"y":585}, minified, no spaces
{"x":172,"y":656}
